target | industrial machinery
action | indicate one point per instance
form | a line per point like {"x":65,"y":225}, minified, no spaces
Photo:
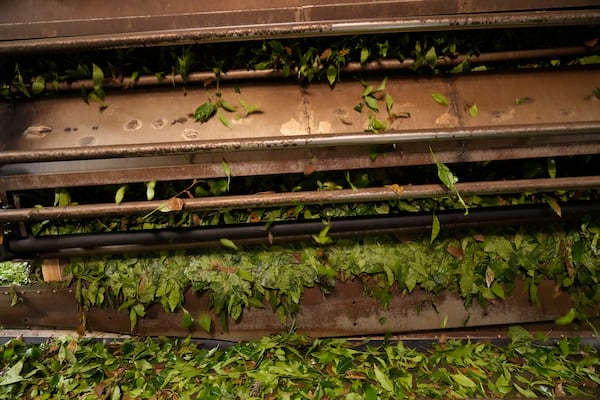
{"x":223,"y":147}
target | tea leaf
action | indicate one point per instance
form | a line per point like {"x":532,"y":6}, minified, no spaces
{"x":322,"y":238}
{"x":97,"y":76}
{"x":383,"y":380}
{"x":551,"y":165}
{"x":371,"y":102}
{"x":228,"y":243}
{"x":435,"y":228}
{"x":431,"y":57}
{"x":204,"y":112}
{"x":188,"y":320}
{"x":227,"y":106}
{"x":364,"y":55}
{"x":463,"y":380}
{"x":473,"y":111}
{"x":331,"y":74}
{"x":225,"y":121}
{"x":150,"y":190}
{"x":38,"y":85}
{"x":440,"y":99}
{"x":389,"y":102}
{"x":567,"y":318}
{"x":120,"y":194}
{"x":250,"y":109}
{"x":205,"y":322}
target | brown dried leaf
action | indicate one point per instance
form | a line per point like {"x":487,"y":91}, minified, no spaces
{"x":174,"y":204}
{"x":489,"y":277}
{"x":456,"y":252}
{"x":592,"y":42}
{"x":396,"y":188}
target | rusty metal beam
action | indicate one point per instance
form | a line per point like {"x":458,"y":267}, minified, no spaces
{"x":303,"y":142}
{"x":347,"y":310}
{"x":36,"y":26}
{"x":112,"y":171}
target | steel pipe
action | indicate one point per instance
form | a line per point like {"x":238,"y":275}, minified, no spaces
{"x":293,"y":231}
{"x":299,"y":142}
{"x":262,"y":200}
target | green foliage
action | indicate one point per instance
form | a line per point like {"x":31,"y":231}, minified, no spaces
{"x":290,"y":365}
{"x":449,"y":180}
{"x":440,"y":99}
{"x":14,"y":273}
{"x":481,"y":266}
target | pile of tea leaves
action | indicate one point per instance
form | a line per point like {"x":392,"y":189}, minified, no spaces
{"x":480,"y":265}
{"x":292,"y":366}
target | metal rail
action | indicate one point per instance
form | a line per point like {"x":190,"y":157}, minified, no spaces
{"x":421,"y":311}
{"x":75,"y":245}
{"x":44,"y":27}
{"x":262,"y":200}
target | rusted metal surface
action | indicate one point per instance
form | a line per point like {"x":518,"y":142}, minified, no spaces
{"x":37,"y":25}
{"x":346,"y":311}
{"x":299,"y":116}
{"x":300,"y":128}
{"x":262,"y":200}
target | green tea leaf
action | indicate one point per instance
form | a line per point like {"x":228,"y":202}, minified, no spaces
{"x":435,"y":228}
{"x":188,"y":320}
{"x":525,"y":392}
{"x":431,"y":57}
{"x":551,"y":168}
{"x":383,"y":380}
{"x":149,"y":190}
{"x":205,"y":322}
{"x":389,"y":102}
{"x":364,"y":55}
{"x":38,"y":85}
{"x":567,"y":318}
{"x":225,"y":121}
{"x":440,"y":99}
{"x":227,"y":106}
{"x":553,"y":203}
{"x":381,"y":86}
{"x":13,"y":374}
{"x":120,"y":194}
{"x":97,"y":76}
{"x":322,"y":238}
{"x":204,"y":112}
{"x":228,"y":243}
{"x":371,"y":102}
{"x":463,"y":380}
{"x":519,"y":334}
{"x":473,"y":111}
{"x":250,"y":109}
{"x":331,"y":74}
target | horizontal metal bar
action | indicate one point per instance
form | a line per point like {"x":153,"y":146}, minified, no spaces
{"x":262,"y":200}
{"x":282,"y":232}
{"x":299,"y":142}
{"x":382,"y":24}
{"x":345,"y":311}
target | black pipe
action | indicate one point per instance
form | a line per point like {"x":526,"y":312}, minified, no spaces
{"x":297,"y":231}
